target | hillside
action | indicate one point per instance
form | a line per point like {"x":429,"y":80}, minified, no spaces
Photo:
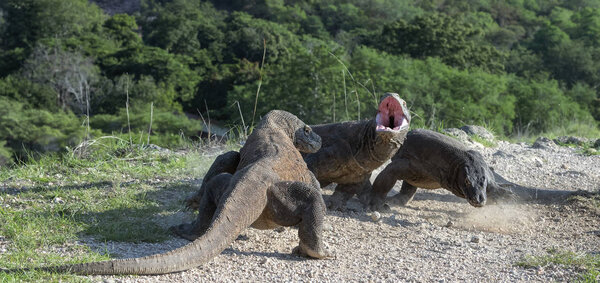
{"x":112,"y":7}
{"x":520,"y":68}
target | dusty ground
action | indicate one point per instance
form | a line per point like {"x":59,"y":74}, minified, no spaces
{"x":417,"y":242}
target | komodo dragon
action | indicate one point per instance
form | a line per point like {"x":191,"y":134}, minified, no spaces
{"x":269,"y":189}
{"x":431,"y":160}
{"x":352,"y":150}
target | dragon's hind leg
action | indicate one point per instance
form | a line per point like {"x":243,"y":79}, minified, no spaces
{"x":224,"y":163}
{"x":296,"y":203}
{"x":206,"y":208}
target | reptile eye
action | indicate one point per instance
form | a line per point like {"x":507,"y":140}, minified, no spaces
{"x":307,"y":130}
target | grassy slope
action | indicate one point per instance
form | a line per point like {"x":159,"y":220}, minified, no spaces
{"x":588,"y":264}
{"x":118,"y":193}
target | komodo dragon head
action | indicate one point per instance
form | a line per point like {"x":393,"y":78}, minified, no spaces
{"x":472,"y":179}
{"x":392,"y":117}
{"x":305,"y":140}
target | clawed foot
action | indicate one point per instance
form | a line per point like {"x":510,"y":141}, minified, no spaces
{"x":192,"y":202}
{"x":185,"y":231}
{"x":399,"y":199}
{"x":385,"y":208}
{"x":305,"y":252}
{"x":375,"y":203}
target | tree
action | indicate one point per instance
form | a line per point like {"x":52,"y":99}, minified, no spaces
{"x":170,"y":72}
{"x":304,"y":84}
{"x":548,"y":36}
{"x":184,"y":27}
{"x":30,"y":94}
{"x":571,"y":62}
{"x":438,"y":35}
{"x":588,"y":26}
{"x":70,"y":74}
{"x":123,"y":28}
{"x":542,"y":106}
{"x":29,"y":21}
{"x":23,"y":130}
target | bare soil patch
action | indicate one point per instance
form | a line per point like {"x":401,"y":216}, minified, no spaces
{"x":437,"y":237}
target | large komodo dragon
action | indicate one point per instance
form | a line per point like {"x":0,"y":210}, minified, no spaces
{"x":272,"y":187}
{"x":431,"y":160}
{"x":352,"y":150}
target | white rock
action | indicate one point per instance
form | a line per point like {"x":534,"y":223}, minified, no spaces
{"x":376,"y":216}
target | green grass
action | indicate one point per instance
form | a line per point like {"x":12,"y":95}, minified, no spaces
{"x":588,"y":264}
{"x":574,"y":128}
{"x":115,"y":192}
{"x":483,"y":141}
{"x":587,"y":150}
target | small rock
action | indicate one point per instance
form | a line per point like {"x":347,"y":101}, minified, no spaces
{"x":327,"y":227}
{"x":58,"y":200}
{"x":561,"y":140}
{"x":478,"y":131}
{"x":597,"y":143}
{"x":376,"y":216}
{"x":544,"y":143}
{"x":564,"y":166}
{"x":540,"y":270}
{"x":570,"y":140}
{"x":458,"y":134}
{"x":242,"y":237}
{"x":578,"y":140}
{"x":475,"y":239}
{"x":153,"y":147}
{"x":264,"y":261}
{"x":449,"y":224}
{"x":279,"y":229}
{"x":502,"y":154}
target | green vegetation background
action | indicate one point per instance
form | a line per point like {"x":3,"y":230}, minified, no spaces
{"x":519,"y":67}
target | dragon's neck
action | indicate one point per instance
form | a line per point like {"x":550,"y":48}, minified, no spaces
{"x":375,"y":149}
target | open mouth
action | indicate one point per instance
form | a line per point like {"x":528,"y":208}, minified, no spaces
{"x":390,"y":117}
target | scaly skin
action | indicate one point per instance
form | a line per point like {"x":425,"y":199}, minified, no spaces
{"x":271,"y":187}
{"x":352,"y":150}
{"x":431,"y":160}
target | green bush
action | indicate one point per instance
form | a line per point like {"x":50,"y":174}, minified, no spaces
{"x":164,"y":122}
{"x":35,"y":130}
{"x":31,"y":94}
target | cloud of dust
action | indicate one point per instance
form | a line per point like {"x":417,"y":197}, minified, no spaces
{"x":506,"y":219}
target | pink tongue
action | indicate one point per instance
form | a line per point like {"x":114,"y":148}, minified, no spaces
{"x":381,"y":127}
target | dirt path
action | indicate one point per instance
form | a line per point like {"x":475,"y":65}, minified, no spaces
{"x":437,"y":237}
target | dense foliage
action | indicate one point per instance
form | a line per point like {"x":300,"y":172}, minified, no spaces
{"x":518,"y":65}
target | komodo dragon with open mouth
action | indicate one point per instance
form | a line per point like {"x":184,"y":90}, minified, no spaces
{"x":431,"y":160}
{"x":352,"y":150}
{"x":271,"y":187}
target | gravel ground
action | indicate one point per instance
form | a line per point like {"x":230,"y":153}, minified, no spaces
{"x":437,"y":237}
